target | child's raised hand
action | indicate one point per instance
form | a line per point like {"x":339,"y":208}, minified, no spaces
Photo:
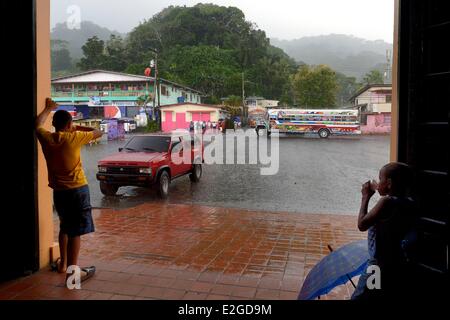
{"x":367,"y":190}
{"x":50,"y":104}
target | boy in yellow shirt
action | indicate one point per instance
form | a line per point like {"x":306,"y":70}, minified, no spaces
{"x":68,"y":181}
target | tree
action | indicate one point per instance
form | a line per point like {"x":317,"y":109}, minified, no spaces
{"x":115,"y":54}
{"x":346,"y":87}
{"x":373,"y":77}
{"x":94,"y":54}
{"x":209,"y":69}
{"x":315,"y":87}
{"x":247,"y":49}
{"x":233,"y":101}
{"x":269,"y":77}
{"x":60,"y":56}
{"x":206,"y":47}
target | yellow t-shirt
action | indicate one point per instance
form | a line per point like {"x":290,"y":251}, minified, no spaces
{"x":62,"y":152}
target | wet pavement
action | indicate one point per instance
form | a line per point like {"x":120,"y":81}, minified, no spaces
{"x":173,"y":251}
{"x":236,"y":235}
{"x":315,"y":176}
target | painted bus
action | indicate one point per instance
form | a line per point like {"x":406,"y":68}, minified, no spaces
{"x":256,"y":115}
{"x":321,"y":122}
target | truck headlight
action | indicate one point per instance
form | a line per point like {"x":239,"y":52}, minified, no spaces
{"x":102,"y":169}
{"x":145,"y":170}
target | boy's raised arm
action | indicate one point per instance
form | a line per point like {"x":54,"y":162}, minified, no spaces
{"x":50,"y":105}
{"x":367,"y":219}
{"x":97,"y":133}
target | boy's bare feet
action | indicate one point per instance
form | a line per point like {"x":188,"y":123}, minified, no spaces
{"x":62,"y":268}
{"x":58,"y":266}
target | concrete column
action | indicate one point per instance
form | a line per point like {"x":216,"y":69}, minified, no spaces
{"x":394,"y":107}
{"x":46,"y":237}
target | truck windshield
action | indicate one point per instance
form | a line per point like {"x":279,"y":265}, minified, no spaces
{"x":148,"y":144}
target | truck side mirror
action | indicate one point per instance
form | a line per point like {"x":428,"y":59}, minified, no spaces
{"x":120,"y":149}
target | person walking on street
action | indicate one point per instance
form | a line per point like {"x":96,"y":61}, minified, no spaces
{"x":67,"y":179}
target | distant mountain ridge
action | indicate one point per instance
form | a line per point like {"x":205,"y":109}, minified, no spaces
{"x":78,"y":37}
{"x":347,"y":54}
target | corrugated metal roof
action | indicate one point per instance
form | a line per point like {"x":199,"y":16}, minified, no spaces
{"x":367,"y":87}
{"x":99,"y":76}
{"x":192,"y":104}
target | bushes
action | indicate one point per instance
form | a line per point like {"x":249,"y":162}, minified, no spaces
{"x":152,"y":126}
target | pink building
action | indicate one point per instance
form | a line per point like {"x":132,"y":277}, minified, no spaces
{"x":377,"y":123}
{"x":374,"y":104}
{"x":179,"y":116}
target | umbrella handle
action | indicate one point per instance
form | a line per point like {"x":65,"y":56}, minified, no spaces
{"x":331,"y":250}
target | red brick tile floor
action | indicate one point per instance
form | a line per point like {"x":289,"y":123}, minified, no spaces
{"x":174,"y":252}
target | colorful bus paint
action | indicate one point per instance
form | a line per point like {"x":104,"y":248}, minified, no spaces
{"x":322,"y":122}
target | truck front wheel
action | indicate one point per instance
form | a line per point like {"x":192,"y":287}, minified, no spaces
{"x":163,"y":185}
{"x":108,"y":189}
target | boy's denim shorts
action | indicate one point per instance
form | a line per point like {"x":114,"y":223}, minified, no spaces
{"x":74,"y":210}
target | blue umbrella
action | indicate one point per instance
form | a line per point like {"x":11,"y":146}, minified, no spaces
{"x":335,"y":269}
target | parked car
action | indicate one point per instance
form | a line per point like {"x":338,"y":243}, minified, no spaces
{"x":147,"y":161}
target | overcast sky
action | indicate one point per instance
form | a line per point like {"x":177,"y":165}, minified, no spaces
{"x":283,"y":19}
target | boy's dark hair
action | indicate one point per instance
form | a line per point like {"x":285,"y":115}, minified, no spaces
{"x":401,"y":176}
{"x":61,"y":119}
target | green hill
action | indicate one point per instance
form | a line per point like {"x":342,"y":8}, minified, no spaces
{"x":76,"y":38}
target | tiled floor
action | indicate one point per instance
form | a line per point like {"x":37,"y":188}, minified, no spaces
{"x":167,"y":251}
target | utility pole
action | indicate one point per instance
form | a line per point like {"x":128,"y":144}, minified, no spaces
{"x":387,"y":73}
{"x":244,"y":107}
{"x":156,"y":92}
{"x":156,"y":78}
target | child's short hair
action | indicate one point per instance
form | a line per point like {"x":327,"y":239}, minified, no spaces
{"x":61,"y":119}
{"x":400,"y":174}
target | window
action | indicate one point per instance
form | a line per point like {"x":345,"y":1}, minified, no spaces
{"x":164,"y":91}
{"x":148,"y":143}
{"x":364,"y":119}
{"x":388,"y":98}
{"x":387,"y":119}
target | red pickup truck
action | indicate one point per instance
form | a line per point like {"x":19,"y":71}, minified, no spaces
{"x":149,"y":161}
